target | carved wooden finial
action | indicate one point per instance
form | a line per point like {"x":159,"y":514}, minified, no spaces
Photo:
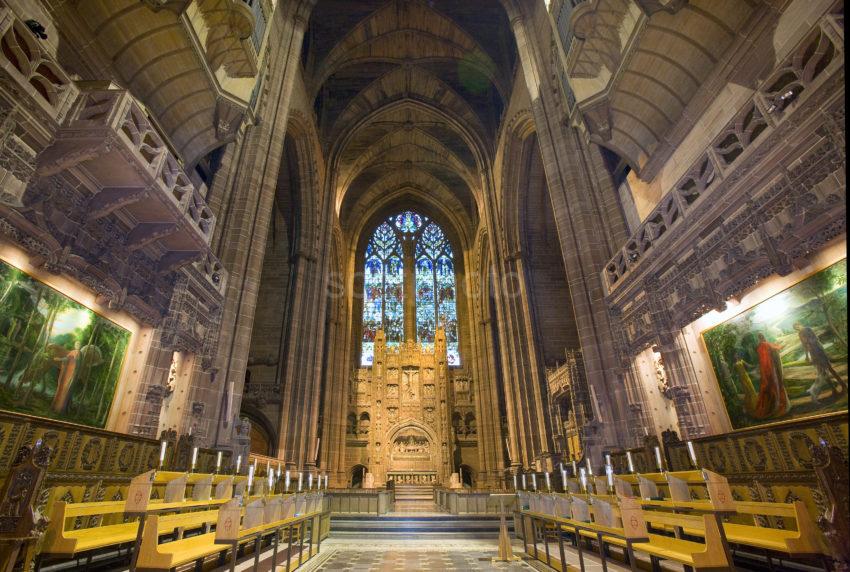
{"x":831,"y":468}
{"x":20,"y":523}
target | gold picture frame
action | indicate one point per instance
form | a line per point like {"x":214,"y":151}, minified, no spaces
{"x":784,"y":358}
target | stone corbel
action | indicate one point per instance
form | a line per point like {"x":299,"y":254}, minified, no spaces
{"x":176,"y":6}
{"x":651,"y":7}
{"x":157,"y":393}
{"x":779,"y":261}
{"x":228,"y":118}
{"x":301,"y":253}
{"x":597,"y":117}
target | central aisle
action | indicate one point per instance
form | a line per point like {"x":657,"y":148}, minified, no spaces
{"x":404,"y":555}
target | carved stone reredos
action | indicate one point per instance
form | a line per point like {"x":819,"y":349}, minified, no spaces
{"x":401,"y":412}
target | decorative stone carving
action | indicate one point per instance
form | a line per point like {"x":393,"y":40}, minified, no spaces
{"x":176,"y":6}
{"x":661,"y":376}
{"x":401,"y":410}
{"x":228,"y":118}
{"x":241,"y":439}
{"x":261,"y":394}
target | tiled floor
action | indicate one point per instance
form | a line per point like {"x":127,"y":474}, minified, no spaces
{"x":352,"y":560}
{"x":404,"y":561}
{"x":471,"y":555}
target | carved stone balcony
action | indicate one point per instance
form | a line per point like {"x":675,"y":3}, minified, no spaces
{"x":35,"y":95}
{"x":191,"y":63}
{"x":110,"y":205}
{"x":642,"y":69}
{"x":109,"y":142}
{"x":765,"y":193}
{"x":803,"y":71}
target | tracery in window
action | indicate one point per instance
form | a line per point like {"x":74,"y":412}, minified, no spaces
{"x":434,"y":284}
{"x":435,"y":292}
{"x":383,"y":302}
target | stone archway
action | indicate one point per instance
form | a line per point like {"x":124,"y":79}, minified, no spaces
{"x":413,"y":454}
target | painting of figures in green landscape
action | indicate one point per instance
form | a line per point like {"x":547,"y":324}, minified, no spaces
{"x":58,"y":359}
{"x":786,"y":357}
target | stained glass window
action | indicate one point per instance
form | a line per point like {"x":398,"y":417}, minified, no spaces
{"x":383,"y":301}
{"x":408,"y":222}
{"x":434,"y":286}
{"x":425,"y":314}
{"x":436,"y":304}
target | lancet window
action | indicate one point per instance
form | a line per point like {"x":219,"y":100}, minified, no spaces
{"x":410,"y":240}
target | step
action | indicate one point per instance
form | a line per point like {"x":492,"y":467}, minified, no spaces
{"x":431,"y":526}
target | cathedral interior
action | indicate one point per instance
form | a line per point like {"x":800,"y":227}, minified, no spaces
{"x":423,"y":285}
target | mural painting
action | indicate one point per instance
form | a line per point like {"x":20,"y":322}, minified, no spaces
{"x":58,"y":358}
{"x":785,"y":358}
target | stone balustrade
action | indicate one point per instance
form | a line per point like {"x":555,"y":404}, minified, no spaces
{"x":35,"y":96}
{"x":110,"y":136}
{"x":31,"y":72}
{"x":770,"y":106}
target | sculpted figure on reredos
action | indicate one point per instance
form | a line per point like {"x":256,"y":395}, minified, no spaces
{"x":410,"y":384}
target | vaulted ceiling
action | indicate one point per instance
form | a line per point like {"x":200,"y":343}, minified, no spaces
{"x":408,"y":95}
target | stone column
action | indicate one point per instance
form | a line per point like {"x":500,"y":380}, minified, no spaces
{"x":334,"y":414}
{"x":589,"y":229}
{"x":490,"y":441}
{"x":302,"y":354}
{"x":243,"y":195}
{"x":529,"y":427}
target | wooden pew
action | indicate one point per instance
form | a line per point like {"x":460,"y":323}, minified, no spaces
{"x":70,"y":543}
{"x":61,"y":541}
{"x":805,"y":541}
{"x":236,"y":525}
{"x":699,"y":556}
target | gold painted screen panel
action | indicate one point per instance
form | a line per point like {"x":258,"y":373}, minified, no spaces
{"x":58,"y":358}
{"x":786,"y":357}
